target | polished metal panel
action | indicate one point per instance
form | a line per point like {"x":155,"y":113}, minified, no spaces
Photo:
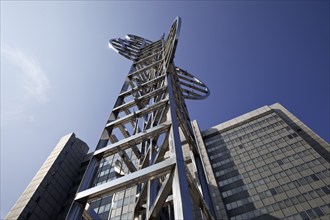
{"x":141,"y":147}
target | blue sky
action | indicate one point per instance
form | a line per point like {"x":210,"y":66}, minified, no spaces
{"x":58,"y":74}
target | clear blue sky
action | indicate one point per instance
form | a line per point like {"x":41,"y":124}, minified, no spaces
{"x":59,"y":76}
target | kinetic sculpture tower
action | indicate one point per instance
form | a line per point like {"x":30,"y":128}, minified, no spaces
{"x":146,"y":164}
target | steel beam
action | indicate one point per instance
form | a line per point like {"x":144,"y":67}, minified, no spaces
{"x":138,"y":114}
{"x":161,"y":196}
{"x":133,"y":140}
{"x":151,"y":172}
{"x":182,"y":204}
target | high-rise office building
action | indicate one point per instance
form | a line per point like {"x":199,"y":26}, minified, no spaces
{"x":51,"y":191}
{"x":266,"y":164}
{"x":151,"y":162}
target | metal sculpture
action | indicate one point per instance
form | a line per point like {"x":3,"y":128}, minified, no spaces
{"x":148,"y":149}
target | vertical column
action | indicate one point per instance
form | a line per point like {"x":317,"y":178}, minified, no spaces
{"x":181,"y":198}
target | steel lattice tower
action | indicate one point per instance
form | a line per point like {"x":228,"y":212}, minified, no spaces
{"x":148,"y":149}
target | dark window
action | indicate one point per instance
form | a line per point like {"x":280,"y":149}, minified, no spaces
{"x":291,"y":185}
{"x":304,"y":215}
{"x":288,"y":202}
{"x":28,"y":215}
{"x":290,"y":136}
{"x":104,"y":215}
{"x":279,"y":189}
{"x":240,"y":210}
{"x":326,"y":190}
{"x":311,"y":213}
{"x":241,"y":146}
{"x":282,"y":205}
{"x":236,"y":197}
{"x":38,"y":199}
{"x":299,"y":130}
{"x":307,"y":196}
{"x":309,"y":179}
{"x":294,"y":135}
{"x":273,"y":191}
{"x":313,"y":194}
{"x":296,"y":183}
{"x":314,"y":177}
{"x":285,"y":187}
{"x":47,"y":184}
{"x":107,"y":200}
{"x":318,"y":211}
{"x":299,"y":168}
{"x":95,"y":203}
{"x":280,"y":162}
{"x":276,"y":207}
{"x":294,"y":200}
{"x":301,"y":198}
{"x":320,"y":192}
{"x":262,"y":195}
{"x":302,"y":181}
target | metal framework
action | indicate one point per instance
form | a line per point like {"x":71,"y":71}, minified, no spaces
{"x":150,"y":134}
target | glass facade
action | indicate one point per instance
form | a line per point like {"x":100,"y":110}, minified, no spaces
{"x":121,"y":204}
{"x":265,"y":169}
